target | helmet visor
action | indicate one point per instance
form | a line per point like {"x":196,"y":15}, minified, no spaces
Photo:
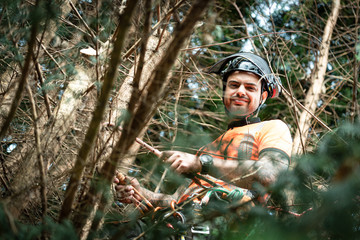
{"x":242,"y":64}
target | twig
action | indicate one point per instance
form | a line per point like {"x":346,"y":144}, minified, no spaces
{"x":244,"y":38}
{"x":136,"y":44}
{"x":38,"y":152}
{"x":144,"y":144}
{"x":291,"y":95}
{"x":74,"y":26}
{"x":82,"y":20}
{"x":162,"y":34}
{"x":52,"y":58}
{"x":292,"y":213}
{"x":354,"y":102}
{"x":247,"y":175}
{"x":307,"y":110}
{"x":46,"y":98}
{"x":161,"y":180}
{"x":245,"y":25}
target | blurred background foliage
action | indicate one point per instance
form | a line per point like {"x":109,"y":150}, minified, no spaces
{"x":317,"y":198}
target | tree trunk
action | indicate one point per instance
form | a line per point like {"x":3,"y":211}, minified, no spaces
{"x":317,"y":82}
{"x":25,"y":156}
{"x":52,"y":138}
{"x":11,"y":85}
{"x":120,"y":103}
{"x":7,"y":92}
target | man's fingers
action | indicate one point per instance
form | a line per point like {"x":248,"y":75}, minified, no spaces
{"x":125,"y":200}
{"x":176,"y":160}
{"x":116,"y":180}
{"x":174,"y":164}
{"x":127,"y":195}
{"x":166,"y":155}
{"x":122,"y":187}
{"x":129,"y":199}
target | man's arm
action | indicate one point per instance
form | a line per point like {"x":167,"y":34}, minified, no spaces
{"x":242,"y":173}
{"x":161,"y":199}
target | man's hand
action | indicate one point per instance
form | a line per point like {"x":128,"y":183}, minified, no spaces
{"x":181,"y":162}
{"x":125,"y":190}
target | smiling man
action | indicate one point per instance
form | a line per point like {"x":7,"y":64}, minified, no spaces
{"x":250,"y":151}
{"x":241,"y":96}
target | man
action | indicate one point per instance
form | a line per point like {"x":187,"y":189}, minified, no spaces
{"x":249,"y":151}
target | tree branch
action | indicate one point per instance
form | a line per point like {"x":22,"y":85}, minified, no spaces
{"x":39,"y":152}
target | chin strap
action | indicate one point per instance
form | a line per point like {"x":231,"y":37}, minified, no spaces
{"x":243,"y":122}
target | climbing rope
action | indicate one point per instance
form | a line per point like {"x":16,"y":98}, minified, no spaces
{"x":230,"y":196}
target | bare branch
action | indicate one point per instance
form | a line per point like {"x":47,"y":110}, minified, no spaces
{"x":317,"y":78}
{"x":39,"y":152}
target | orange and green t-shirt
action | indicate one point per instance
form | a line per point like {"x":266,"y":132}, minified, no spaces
{"x":245,"y":143}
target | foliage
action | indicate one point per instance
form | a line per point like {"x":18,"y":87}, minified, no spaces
{"x":330,"y":209}
{"x":12,"y":229}
{"x":321,"y":210}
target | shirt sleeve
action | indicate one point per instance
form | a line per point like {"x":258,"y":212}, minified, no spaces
{"x":276,"y":136}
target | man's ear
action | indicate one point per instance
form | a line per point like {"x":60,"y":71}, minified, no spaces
{"x":264,"y":96}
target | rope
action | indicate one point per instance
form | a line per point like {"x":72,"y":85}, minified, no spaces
{"x":234,"y":195}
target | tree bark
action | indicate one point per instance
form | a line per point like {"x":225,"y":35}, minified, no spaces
{"x":51,"y":139}
{"x":122,"y":99}
{"x":9,"y":96}
{"x":317,"y":82}
{"x":24,"y":155}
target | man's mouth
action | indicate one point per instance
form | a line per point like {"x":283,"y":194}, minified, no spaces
{"x":239,"y":101}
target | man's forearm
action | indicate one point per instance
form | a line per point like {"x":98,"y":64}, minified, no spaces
{"x":244,"y":173}
{"x":161,"y":199}
{"x":233,"y":172}
{"x":157,"y":199}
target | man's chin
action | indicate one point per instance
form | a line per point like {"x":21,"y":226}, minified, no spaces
{"x":237,"y":114}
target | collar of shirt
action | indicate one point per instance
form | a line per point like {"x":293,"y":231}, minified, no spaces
{"x":243,"y":122}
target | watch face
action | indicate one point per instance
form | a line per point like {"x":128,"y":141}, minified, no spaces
{"x":206,"y":158}
{"x":206,"y":162}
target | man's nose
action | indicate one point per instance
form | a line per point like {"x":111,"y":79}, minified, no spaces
{"x":241,"y":90}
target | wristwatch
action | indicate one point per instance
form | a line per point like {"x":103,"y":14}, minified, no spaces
{"x":207,"y":162}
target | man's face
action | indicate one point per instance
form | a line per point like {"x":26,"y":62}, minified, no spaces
{"x":242,"y":94}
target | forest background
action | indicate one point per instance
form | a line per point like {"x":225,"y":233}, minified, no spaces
{"x":73,"y":71}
